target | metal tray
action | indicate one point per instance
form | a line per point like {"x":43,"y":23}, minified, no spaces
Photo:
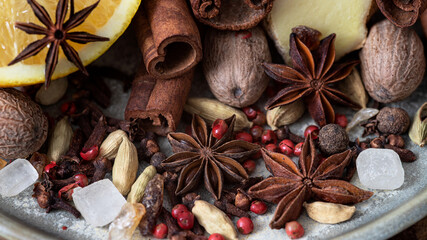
{"x":382,"y":216}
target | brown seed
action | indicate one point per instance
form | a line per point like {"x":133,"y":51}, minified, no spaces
{"x":396,"y":141}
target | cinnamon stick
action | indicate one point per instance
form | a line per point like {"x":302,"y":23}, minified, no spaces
{"x":168,"y":38}
{"x":231,"y":15}
{"x":158,"y":103}
{"x":402,"y":13}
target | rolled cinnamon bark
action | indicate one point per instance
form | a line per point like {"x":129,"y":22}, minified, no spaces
{"x":158,"y":103}
{"x":231,"y":14}
{"x":402,"y":13}
{"x":168,"y":37}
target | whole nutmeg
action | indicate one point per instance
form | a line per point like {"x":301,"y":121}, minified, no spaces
{"x":392,"y":62}
{"x":393,"y":120}
{"x":232,"y":65}
{"x":333,"y":139}
{"x":23,"y":125}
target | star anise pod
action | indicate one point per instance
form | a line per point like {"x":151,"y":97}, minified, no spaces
{"x":202,"y":155}
{"x":312,"y":77}
{"x":56,"y":35}
{"x":291,"y":185}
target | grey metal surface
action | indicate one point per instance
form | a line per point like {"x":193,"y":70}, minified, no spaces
{"x":380,"y":217}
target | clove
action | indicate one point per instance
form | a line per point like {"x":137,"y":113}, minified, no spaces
{"x":102,"y":166}
{"x":170,"y":186}
{"x":230,"y":209}
{"x":405,"y":155}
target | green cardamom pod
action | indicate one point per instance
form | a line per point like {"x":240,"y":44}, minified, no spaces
{"x":418,"y":131}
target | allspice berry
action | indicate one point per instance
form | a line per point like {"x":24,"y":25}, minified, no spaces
{"x":333,"y":139}
{"x":393,"y":120}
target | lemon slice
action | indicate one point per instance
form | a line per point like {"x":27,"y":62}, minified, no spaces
{"x":109,"y":19}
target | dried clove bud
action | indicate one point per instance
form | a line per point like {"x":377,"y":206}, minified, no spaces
{"x":405,"y":155}
{"x":396,"y":141}
{"x":377,"y":143}
{"x":102,"y":166}
{"x":97,"y":135}
{"x":230,"y":209}
{"x":148,"y":148}
{"x":156,"y":160}
{"x":242,"y":200}
{"x":170,"y":222}
{"x":285,"y":133}
{"x":75,"y":145}
{"x":189,"y":199}
{"x":170,"y":185}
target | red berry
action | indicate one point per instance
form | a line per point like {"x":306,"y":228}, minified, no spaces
{"x":298,"y":149}
{"x":49,"y":167}
{"x":178,"y":209}
{"x":219,"y":128}
{"x":67,"y":188}
{"x":287,"y":147}
{"x":216,"y":236}
{"x":250,"y":112}
{"x":260,"y":119}
{"x":249,"y":166}
{"x":186,"y":220}
{"x":64,"y":227}
{"x":258,"y":207}
{"x":269,"y":136}
{"x":244,"y":136}
{"x":294,"y":229}
{"x":256,"y":132}
{"x":89,"y":154}
{"x":68,"y":108}
{"x":271,"y":147}
{"x":245,"y":225}
{"x":314,"y":130}
{"x":341,"y":120}
{"x":81,"y":180}
{"x":160,"y":231}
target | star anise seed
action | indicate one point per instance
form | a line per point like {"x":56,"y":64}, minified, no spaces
{"x":291,"y":185}
{"x":203,"y":156}
{"x":312,"y":77}
{"x":56,"y":35}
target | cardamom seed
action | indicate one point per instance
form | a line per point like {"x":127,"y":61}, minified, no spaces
{"x":331,"y":213}
{"x":138,"y":187}
{"x":125,"y":166}
{"x":52,"y":94}
{"x":285,"y":115}
{"x":60,"y":141}
{"x":354,"y":89}
{"x":211,"y":110}
{"x":111,"y":144}
{"x":418,"y":131}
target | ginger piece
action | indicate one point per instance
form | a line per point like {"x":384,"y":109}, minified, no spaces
{"x":347,"y":19}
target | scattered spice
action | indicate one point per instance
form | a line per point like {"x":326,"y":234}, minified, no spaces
{"x":393,"y":120}
{"x":310,"y":79}
{"x":203,"y":155}
{"x":333,"y":139}
{"x":291,"y":186}
{"x":57,"y":35}
{"x":153,"y":202}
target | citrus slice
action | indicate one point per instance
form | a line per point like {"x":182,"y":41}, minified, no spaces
{"x":109,"y":19}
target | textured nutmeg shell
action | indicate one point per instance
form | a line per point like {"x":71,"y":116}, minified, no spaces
{"x":392,"y":62}
{"x":232,"y":65}
{"x":393,"y":120}
{"x":333,"y":139}
{"x":23,"y":126}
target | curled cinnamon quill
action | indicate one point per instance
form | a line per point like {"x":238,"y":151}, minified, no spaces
{"x":168,"y":38}
{"x":231,"y":15}
{"x":402,"y":13}
{"x":157,"y":104}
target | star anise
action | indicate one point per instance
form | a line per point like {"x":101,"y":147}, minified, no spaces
{"x":291,"y":186}
{"x":311,"y":77}
{"x":202,"y":155}
{"x":56,"y":35}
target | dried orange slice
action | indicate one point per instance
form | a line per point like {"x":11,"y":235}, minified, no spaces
{"x":109,"y":19}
